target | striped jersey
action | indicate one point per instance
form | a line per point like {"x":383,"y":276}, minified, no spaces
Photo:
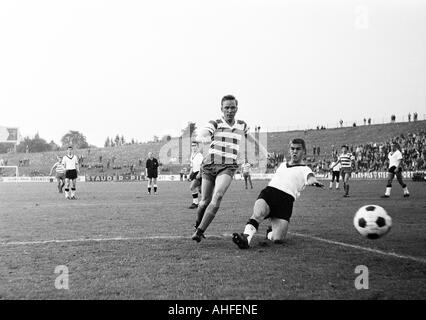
{"x":225,"y":140}
{"x":346,"y":160}
{"x":59,"y":167}
{"x":70,"y":163}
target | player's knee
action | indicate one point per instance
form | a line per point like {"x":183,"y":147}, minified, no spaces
{"x":204,"y":203}
{"x":217,"y":198}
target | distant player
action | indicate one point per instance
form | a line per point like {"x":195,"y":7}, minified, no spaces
{"x":70,"y":162}
{"x":276,"y":200}
{"x":335,"y":173}
{"x":60,"y":173}
{"x":220,"y":164}
{"x":395,"y":169}
{"x":196,"y":161}
{"x":246,"y":169}
{"x":346,"y":161}
{"x":151,"y":171}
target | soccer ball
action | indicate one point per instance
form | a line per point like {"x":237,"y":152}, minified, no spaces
{"x":372,"y":221}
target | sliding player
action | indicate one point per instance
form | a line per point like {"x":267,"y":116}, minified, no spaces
{"x":395,"y":169}
{"x":276,"y":200}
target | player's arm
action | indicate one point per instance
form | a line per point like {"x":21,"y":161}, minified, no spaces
{"x":312,"y":181}
{"x":204,"y":135}
{"x":51,"y":170}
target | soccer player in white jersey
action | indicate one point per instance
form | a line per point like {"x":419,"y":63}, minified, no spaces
{"x":395,"y":169}
{"x":276,"y":200}
{"x":335,"y":173}
{"x":60,"y":173}
{"x":196,"y":161}
{"x":346,"y":161}
{"x":220,"y":164}
{"x":70,"y":162}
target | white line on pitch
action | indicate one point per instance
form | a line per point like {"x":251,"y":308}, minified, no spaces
{"x":169,"y":237}
{"x":391,"y":254}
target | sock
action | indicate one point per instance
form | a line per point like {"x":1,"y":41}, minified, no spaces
{"x":331,"y":185}
{"x":155,"y":188}
{"x":149,"y":189}
{"x":67,"y":192}
{"x":250,"y":231}
{"x":72,"y":192}
{"x":388,"y":191}
{"x":195,"y":198}
{"x":406,"y":190}
{"x":337,"y":185}
{"x":269,"y":236}
{"x":347,"y":189}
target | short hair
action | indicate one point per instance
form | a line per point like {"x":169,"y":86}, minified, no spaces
{"x":228,"y":97}
{"x":194,"y":143}
{"x":396,"y":144}
{"x":345,"y":146}
{"x":69,"y":147}
{"x":299,"y":141}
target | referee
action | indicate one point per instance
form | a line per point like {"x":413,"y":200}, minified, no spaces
{"x":151,"y":171}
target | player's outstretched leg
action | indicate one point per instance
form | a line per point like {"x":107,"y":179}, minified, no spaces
{"x":221,"y":184}
{"x":260,"y":211}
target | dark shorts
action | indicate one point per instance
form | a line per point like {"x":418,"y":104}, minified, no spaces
{"x":343,"y":171}
{"x":60,"y":176}
{"x":246,"y":174}
{"x":211,"y":171}
{"x":279,"y":202}
{"x":71,"y":174}
{"x":335,"y":175}
{"x":153,"y":174}
{"x":395,"y":170}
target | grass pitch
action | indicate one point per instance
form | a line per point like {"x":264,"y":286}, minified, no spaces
{"x":120,"y":243}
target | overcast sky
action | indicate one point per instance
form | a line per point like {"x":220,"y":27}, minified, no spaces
{"x":145,"y":68}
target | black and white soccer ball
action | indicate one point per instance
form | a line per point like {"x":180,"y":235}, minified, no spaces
{"x":372,"y":221}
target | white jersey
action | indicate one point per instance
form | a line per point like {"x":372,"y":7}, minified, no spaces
{"x":336,"y":166}
{"x":246,"y":167}
{"x":394,"y":158}
{"x":291,"y":179}
{"x":196,"y":160}
{"x":70,"y":163}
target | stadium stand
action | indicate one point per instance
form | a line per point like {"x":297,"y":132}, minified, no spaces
{"x":370,"y":145}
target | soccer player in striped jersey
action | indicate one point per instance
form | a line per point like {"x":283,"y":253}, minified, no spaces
{"x":220,"y":163}
{"x":395,"y":169}
{"x":60,"y":173}
{"x":196,"y":161}
{"x":70,"y":162}
{"x":345,"y":160}
{"x":276,"y":200}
